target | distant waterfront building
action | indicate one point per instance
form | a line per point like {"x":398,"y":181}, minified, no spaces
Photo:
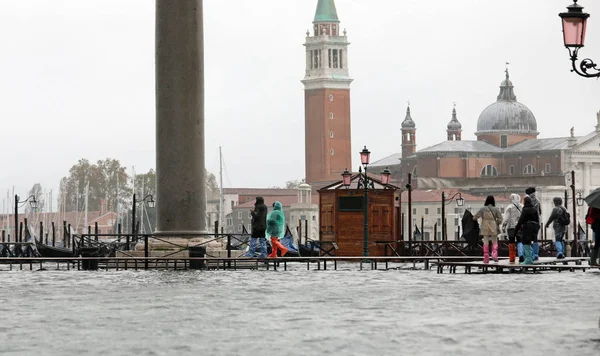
{"x":327,"y":97}
{"x":507,"y":156}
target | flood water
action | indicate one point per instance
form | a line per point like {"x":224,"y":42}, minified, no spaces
{"x":298,"y":312}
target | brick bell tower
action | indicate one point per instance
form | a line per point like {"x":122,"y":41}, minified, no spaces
{"x":327,"y":98}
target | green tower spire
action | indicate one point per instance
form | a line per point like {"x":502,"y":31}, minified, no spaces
{"x":326,"y":11}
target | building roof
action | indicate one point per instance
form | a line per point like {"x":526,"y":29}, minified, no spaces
{"x":462,"y":146}
{"x":388,"y":161}
{"x":286,"y":201}
{"x":507,"y":114}
{"x":326,"y":11}
{"x":261,"y":191}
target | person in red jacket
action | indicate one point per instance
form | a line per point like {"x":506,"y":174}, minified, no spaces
{"x":593,"y":219}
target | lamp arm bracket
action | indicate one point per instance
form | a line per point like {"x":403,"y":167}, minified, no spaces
{"x":584,"y":67}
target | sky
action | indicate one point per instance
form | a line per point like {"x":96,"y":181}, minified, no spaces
{"x":77,"y":79}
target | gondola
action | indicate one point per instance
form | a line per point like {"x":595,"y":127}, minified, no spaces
{"x":51,"y":251}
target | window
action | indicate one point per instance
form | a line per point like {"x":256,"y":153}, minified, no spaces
{"x":548,"y":168}
{"x":229,"y":221}
{"x":335,"y":58}
{"x":426,"y":236}
{"x":456,"y":210}
{"x":529,"y":169}
{"x":439,"y":235}
{"x":314,"y":218}
{"x":331,"y":134}
{"x":330,"y":58}
{"x":414,"y":211}
{"x":503,"y":141}
{"x":502,"y":209}
{"x":331,"y":151}
{"x":439,"y":210}
{"x":341,"y":59}
{"x":331,"y":115}
{"x":240,"y":228}
{"x":439,"y":221}
{"x":302,"y":217}
{"x":239,"y":214}
{"x":330,"y":97}
{"x":456,"y":222}
{"x":426,"y":211}
{"x":489,"y":171}
{"x":511,"y":170}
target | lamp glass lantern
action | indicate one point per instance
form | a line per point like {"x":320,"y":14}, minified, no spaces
{"x":151,"y":203}
{"x":385,"y":176}
{"x":346,"y":177}
{"x":574,"y":23}
{"x":365,"y":156}
{"x":579,"y":201}
{"x":460,"y":201}
{"x":33,"y":203}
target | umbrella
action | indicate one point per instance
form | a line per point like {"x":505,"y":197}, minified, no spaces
{"x":593,"y":199}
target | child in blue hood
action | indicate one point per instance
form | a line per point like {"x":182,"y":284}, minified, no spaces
{"x":276,"y":229}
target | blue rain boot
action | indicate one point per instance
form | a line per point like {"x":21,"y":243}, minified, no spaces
{"x":263,"y":247}
{"x":536,"y":251}
{"x":560,"y":250}
{"x":520,"y":252}
{"x":252,"y":249}
{"x":528,"y":254}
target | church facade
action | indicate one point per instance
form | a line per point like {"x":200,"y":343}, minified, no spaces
{"x":507,"y":156}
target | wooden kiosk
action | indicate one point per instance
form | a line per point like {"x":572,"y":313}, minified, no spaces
{"x":342,"y":216}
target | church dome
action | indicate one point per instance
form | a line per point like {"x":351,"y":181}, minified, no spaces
{"x":507,"y":115}
{"x":454,"y":124}
{"x":408,"y":122}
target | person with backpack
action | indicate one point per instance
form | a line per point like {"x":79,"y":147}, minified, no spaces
{"x":559,"y":218}
{"x":531,"y":192}
{"x":491,"y":219}
{"x":530,"y":222}
{"x":259,"y":226}
{"x":510,"y":220}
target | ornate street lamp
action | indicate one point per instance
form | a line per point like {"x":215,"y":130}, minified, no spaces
{"x":574,"y":23}
{"x":459,"y":202}
{"x":386,"y":176}
{"x":365,"y":158}
{"x":579,"y":199}
{"x":346,"y":178}
{"x":32,"y":202}
{"x":149,"y":199}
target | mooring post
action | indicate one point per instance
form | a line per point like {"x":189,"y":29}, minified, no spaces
{"x":46,"y":238}
{"x":41,"y":231}
{"x":146,"y":252}
{"x":3,"y":236}
{"x":96,"y":231}
{"x":68,"y":235}
{"x":53,"y":234}
{"x":20,"y":232}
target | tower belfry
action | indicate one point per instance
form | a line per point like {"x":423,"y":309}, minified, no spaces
{"x":327,"y":97}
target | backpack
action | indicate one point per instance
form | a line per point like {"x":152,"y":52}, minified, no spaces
{"x":565,"y":217}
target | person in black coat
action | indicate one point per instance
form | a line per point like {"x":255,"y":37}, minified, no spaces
{"x":529,"y":224}
{"x":259,"y":226}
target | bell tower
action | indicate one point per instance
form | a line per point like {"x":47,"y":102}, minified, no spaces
{"x":326,"y":97}
{"x":409,"y":139}
{"x":454,"y":128}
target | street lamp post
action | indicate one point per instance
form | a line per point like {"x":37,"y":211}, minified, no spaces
{"x":365,"y":184}
{"x":574,"y":24}
{"x":151,"y":204}
{"x":459,"y":202}
{"x":32,"y":202}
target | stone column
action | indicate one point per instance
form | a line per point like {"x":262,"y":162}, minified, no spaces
{"x":180,"y":191}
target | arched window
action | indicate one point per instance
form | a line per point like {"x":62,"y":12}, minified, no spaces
{"x":511,"y":170}
{"x":331,"y":134}
{"x":331,"y":115}
{"x":415,"y":172}
{"x":331,"y":151}
{"x":529,"y":169}
{"x":489,"y":171}
{"x":548,"y":168}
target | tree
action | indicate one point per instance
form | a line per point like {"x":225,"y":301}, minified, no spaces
{"x":293,"y":184}
{"x":38,"y":193}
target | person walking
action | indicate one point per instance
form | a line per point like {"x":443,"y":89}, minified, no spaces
{"x":276,"y":229}
{"x":531,"y":192}
{"x":491,"y":218}
{"x":509,"y":222}
{"x":559,"y":218}
{"x":259,"y":227}
{"x":529,"y":221}
{"x":593,"y":219}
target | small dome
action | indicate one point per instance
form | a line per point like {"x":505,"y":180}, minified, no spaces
{"x":304,"y":186}
{"x":408,"y":122}
{"x":507,"y":114}
{"x":454,"y":124}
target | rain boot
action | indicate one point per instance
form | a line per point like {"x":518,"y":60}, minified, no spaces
{"x":262,"y":242}
{"x":560,"y":253}
{"x":252,"y":249}
{"x":281,"y":248}
{"x":512,"y":253}
{"x":528,"y":254}
{"x":536,"y":251}
{"x":274,"y":242}
{"x":495,"y":251}
{"x":486,"y":253}
{"x":520,"y":252}
{"x":594,"y":256}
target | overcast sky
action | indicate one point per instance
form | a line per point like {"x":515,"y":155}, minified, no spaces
{"x":77,"y":79}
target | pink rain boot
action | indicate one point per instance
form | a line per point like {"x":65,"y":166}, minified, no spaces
{"x":486,"y":254}
{"x":495,"y":252}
